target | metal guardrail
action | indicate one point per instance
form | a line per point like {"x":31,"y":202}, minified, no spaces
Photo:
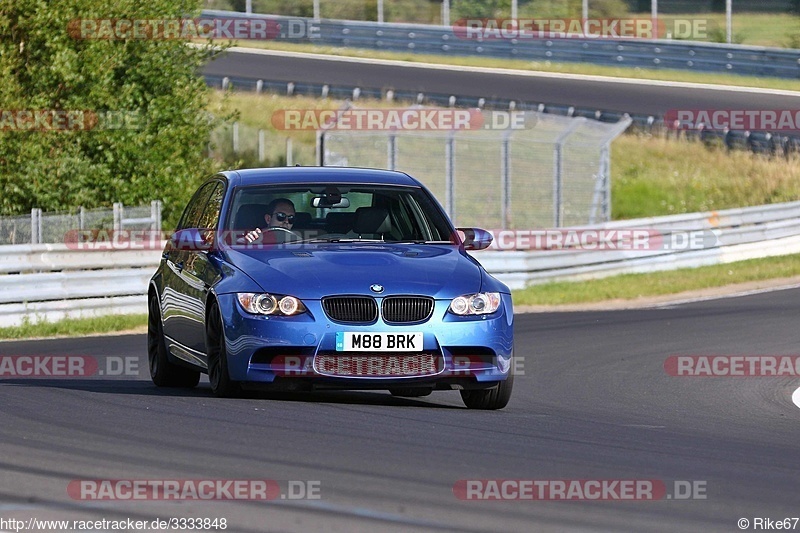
{"x":745,"y":233}
{"x":442,"y":40}
{"x":52,"y":281}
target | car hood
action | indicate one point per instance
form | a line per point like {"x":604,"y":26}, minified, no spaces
{"x":315,"y":271}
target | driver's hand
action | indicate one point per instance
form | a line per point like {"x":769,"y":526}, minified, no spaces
{"x":253,"y":236}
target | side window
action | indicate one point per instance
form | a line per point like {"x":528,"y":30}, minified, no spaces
{"x":210,"y":214}
{"x":194,"y":210}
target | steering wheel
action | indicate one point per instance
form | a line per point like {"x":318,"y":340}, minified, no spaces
{"x":288,"y":235}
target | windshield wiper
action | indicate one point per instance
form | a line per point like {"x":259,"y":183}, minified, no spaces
{"x":419,"y":241}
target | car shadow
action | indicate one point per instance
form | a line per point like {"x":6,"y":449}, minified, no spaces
{"x":146,"y":388}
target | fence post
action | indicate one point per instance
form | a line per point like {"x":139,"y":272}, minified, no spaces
{"x":320,"y":148}
{"x":391,"y":147}
{"x":289,"y":152}
{"x":261,"y":154}
{"x":117,"y":217}
{"x":505,"y":180}
{"x":36,"y":225}
{"x":81,"y":218}
{"x":605,"y":162}
{"x":450,"y":168}
{"x":558,"y":170}
{"x":557,"y":156}
{"x":155,"y":215}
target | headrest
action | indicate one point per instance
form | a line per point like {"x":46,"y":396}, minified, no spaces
{"x":372,"y":220}
{"x":250,"y":216}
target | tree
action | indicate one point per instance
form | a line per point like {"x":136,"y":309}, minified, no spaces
{"x":143,"y":98}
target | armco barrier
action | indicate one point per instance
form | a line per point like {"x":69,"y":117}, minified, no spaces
{"x":51,"y":281}
{"x":442,"y":40}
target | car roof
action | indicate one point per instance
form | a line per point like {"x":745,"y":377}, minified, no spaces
{"x":300,"y":175}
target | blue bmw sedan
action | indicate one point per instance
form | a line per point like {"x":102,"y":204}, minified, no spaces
{"x":328,"y":278}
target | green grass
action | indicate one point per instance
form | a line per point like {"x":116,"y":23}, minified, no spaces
{"x":654,"y":175}
{"x":540,"y":66}
{"x":74,"y":327}
{"x":631,"y":286}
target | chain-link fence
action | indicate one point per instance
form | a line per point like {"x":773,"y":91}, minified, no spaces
{"x":257,"y":147}
{"x":553,"y":172}
{"x":52,"y":227}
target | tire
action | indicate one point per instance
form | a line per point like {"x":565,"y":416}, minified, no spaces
{"x":221,"y":383}
{"x":410,"y":392}
{"x":489,"y":399}
{"x":163,"y":372}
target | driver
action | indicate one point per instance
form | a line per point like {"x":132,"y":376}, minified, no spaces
{"x":280,"y":214}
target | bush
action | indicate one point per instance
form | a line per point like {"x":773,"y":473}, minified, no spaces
{"x":161,"y":156}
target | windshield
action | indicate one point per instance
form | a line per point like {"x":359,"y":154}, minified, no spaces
{"x":337,"y":212}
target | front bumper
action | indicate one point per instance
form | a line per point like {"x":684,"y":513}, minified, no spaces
{"x":470,"y":352}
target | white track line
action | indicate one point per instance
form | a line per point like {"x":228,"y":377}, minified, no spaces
{"x":515,"y":72}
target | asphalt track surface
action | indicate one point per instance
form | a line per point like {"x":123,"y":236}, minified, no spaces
{"x":634,"y":97}
{"x":593,"y":402}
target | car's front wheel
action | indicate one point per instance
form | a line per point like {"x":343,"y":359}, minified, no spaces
{"x":493,"y":398}
{"x":163,"y":372}
{"x":221,"y":383}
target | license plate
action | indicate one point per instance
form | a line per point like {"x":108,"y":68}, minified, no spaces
{"x":349,"y":341}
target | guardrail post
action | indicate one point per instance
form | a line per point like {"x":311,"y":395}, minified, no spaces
{"x":450,"y":169}
{"x":289,"y":152}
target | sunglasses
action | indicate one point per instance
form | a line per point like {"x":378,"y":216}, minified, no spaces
{"x":284,"y":217}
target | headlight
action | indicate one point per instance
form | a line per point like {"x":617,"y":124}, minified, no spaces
{"x":270,"y":304}
{"x":482,"y":303}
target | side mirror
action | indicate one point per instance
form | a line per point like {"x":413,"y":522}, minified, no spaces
{"x":476,"y":238}
{"x":192,"y":239}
